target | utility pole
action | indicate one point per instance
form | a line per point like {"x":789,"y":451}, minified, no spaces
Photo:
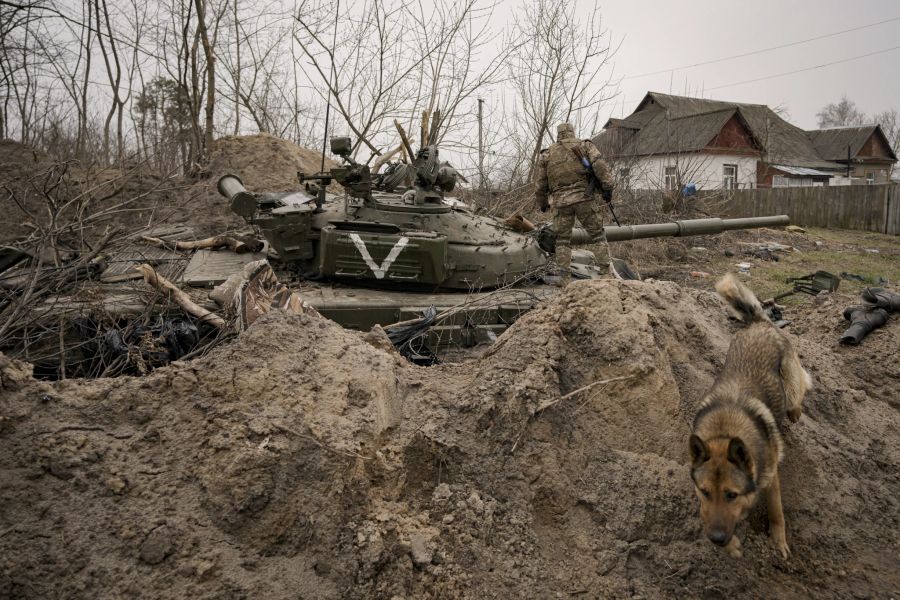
{"x":480,"y":149}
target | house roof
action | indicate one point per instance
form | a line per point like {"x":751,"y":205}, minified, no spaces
{"x":684,"y":133}
{"x":832,"y":143}
{"x":683,"y":124}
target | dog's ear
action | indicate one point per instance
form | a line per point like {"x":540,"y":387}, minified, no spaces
{"x":699,"y":451}
{"x":739,"y":455}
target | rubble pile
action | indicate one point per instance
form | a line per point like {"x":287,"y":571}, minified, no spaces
{"x":305,"y":460}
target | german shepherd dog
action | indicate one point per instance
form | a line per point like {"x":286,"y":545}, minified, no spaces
{"x":736,"y":445}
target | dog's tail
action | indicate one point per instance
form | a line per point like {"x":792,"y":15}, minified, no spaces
{"x":741,"y":299}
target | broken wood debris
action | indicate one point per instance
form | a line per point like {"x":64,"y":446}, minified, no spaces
{"x":239,"y":245}
{"x":179,"y":297}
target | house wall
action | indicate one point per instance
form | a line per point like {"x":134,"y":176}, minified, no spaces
{"x":881,"y":170}
{"x":874,"y":146}
{"x":705,"y":170}
{"x":732,"y":135}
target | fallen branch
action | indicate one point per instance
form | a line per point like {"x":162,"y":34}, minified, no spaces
{"x":171,"y":291}
{"x":545,"y":405}
{"x":238,"y":245}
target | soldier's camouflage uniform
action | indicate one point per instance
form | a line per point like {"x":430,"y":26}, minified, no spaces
{"x":560,"y":183}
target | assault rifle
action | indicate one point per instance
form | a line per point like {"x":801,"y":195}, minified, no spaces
{"x":594,"y":184}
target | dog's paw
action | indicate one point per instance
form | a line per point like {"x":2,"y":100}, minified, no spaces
{"x":794,"y":414}
{"x":781,"y":545}
{"x":734,"y":548}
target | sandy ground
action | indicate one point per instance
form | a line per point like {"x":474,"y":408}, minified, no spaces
{"x":305,"y":461}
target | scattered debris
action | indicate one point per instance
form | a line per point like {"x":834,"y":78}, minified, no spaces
{"x":147,"y":347}
{"x":621,"y":270}
{"x":795,"y":229}
{"x":855,"y":277}
{"x":882,"y":298}
{"x":411,"y":339}
{"x":238,"y":244}
{"x":519,"y":223}
{"x":775,"y":314}
{"x":812,"y":284}
{"x":743,"y":268}
{"x":700,"y":274}
{"x":762,"y":254}
{"x":253,"y":292}
{"x":863,"y":319}
{"x":179,"y":297}
{"x":851,"y":276}
{"x":770,"y":246}
{"x":872,"y":314}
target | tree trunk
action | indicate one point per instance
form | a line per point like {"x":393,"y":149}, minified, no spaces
{"x":210,"y":74}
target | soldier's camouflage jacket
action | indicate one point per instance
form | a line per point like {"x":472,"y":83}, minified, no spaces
{"x":560,"y":177}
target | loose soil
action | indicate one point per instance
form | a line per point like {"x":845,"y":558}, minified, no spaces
{"x":307,"y":461}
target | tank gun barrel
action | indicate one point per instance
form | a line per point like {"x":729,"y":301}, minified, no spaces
{"x":683,"y":228}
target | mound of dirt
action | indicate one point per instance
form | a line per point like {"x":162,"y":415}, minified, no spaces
{"x":304,"y":460}
{"x":264,"y":163}
{"x":18,"y":163}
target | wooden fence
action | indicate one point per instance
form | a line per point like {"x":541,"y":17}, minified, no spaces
{"x":863,"y":207}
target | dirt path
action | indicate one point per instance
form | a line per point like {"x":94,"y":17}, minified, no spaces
{"x":304,"y":461}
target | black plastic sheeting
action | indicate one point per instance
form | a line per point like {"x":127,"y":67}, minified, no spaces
{"x":158,"y":344}
{"x":411,"y":339}
{"x":133,"y":347}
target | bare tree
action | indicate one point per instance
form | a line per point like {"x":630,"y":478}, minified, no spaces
{"x":890,"y":125}
{"x":200,"y":6}
{"x":557,"y":72}
{"x":840,"y":114}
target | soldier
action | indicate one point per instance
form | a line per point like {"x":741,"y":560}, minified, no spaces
{"x":562,"y":174}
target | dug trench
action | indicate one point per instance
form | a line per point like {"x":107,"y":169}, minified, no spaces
{"x":303,"y":460}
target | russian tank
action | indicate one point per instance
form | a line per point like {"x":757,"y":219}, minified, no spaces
{"x":403,"y":246}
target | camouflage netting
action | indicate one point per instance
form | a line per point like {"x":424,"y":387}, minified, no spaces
{"x":307,"y":461}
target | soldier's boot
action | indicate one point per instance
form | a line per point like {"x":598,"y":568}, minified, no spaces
{"x":882,"y":298}
{"x":863,"y":319}
{"x":563,"y":260}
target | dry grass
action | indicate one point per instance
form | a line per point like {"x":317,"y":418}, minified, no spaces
{"x":873,"y":256}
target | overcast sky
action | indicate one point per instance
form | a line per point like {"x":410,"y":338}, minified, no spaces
{"x":658,"y":35}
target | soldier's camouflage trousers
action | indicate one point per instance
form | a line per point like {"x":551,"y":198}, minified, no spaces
{"x":589,"y":216}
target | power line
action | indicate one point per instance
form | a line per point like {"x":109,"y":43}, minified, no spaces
{"x":823,"y":65}
{"x":751,"y":53}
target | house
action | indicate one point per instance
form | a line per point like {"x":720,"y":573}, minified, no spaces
{"x":671,"y":141}
{"x":864,"y":151}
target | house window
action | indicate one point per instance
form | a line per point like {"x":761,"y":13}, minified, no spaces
{"x":671,"y":178}
{"x":870,"y":178}
{"x":729,"y":176}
